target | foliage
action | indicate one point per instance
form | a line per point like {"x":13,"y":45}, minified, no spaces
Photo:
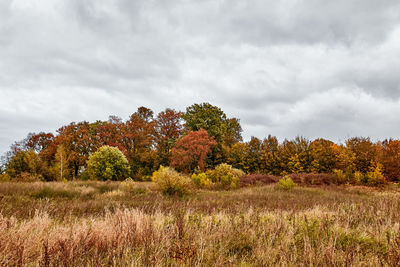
{"x":360,"y":178}
{"x":201,"y":180}
{"x":364,"y":151}
{"x":168,"y":129}
{"x":171,"y":182}
{"x":225,"y":176}
{"x":375,"y":176}
{"x":203,"y":136}
{"x":285,"y":184}
{"x":191,"y":151}
{"x":340,"y":176}
{"x":389,"y":156}
{"x":108,"y":163}
{"x":214,"y":121}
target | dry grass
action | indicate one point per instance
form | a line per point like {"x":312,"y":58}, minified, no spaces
{"x":119,"y":224}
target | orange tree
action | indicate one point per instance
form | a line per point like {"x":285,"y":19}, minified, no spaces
{"x":191,"y":151}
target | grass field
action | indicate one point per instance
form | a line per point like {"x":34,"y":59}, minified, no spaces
{"x":133,"y":224}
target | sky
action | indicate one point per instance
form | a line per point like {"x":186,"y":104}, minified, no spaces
{"x":315,"y":68}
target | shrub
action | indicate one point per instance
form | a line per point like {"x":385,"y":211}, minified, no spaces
{"x":340,"y":176}
{"x":360,"y":178}
{"x":225,"y":176}
{"x":285,"y":184}
{"x":4,"y":178}
{"x":375,"y":176}
{"x":171,"y":182}
{"x":201,"y":180}
{"x":127,"y":185}
{"x":108,"y":163}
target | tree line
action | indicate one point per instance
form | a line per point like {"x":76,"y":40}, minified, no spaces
{"x":200,"y":138}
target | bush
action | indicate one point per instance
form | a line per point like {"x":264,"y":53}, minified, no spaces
{"x":340,"y":176}
{"x":285,"y":184}
{"x":375,"y":176}
{"x":201,"y":180}
{"x":360,"y":178}
{"x":4,"y":178}
{"x":225,"y":176}
{"x":108,"y":163}
{"x":171,"y":182}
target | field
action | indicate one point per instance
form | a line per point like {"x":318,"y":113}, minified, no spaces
{"x":133,"y":224}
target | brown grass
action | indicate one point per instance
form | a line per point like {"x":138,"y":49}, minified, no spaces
{"x":116,"y":224}
{"x":306,"y":179}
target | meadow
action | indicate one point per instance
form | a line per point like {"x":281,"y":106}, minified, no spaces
{"x":93,"y":223}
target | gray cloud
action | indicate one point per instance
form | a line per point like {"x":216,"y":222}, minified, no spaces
{"x":313,"y":68}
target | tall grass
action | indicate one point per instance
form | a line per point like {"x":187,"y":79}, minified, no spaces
{"x":257,"y":226}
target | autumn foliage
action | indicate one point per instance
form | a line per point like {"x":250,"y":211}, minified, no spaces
{"x":191,"y":151}
{"x":203,"y":137}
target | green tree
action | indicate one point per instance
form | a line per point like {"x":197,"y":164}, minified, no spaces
{"x":108,"y":163}
{"x":225,"y":131}
{"x":214,"y":121}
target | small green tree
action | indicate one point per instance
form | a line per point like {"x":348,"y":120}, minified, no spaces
{"x":108,"y":163}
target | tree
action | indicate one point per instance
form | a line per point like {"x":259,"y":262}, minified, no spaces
{"x":323,"y":156}
{"x":237,"y":155}
{"x":38,"y":142}
{"x":139,"y":142}
{"x":269,"y":156}
{"x":364,"y":151}
{"x":344,"y":159}
{"x":168,"y":129}
{"x":295,"y":156}
{"x":214,"y":121}
{"x":389,"y":156}
{"x":79,"y":142}
{"x":191,"y":150}
{"x":110,"y":133}
{"x":24,"y":162}
{"x":108,"y":163}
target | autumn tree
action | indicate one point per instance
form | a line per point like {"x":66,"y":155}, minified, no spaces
{"x":168,"y":129}
{"x":212,"y":119}
{"x":345,"y":159}
{"x":388,"y":154}
{"x":323,"y":156}
{"x":139,"y":142}
{"x":295,"y":156}
{"x":237,"y":155}
{"x":25,"y":163}
{"x":79,"y":143}
{"x":111,"y":133}
{"x":270,"y":156}
{"x":38,"y":142}
{"x":191,"y":151}
{"x":364,"y":151}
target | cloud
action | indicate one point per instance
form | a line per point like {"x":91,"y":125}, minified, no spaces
{"x":293,"y":67}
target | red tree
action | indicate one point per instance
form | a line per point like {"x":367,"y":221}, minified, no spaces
{"x":168,"y":129}
{"x":191,"y":150}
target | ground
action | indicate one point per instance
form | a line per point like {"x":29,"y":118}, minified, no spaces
{"x":114,"y":223}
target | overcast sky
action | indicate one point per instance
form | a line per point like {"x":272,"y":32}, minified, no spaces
{"x":314,"y":68}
